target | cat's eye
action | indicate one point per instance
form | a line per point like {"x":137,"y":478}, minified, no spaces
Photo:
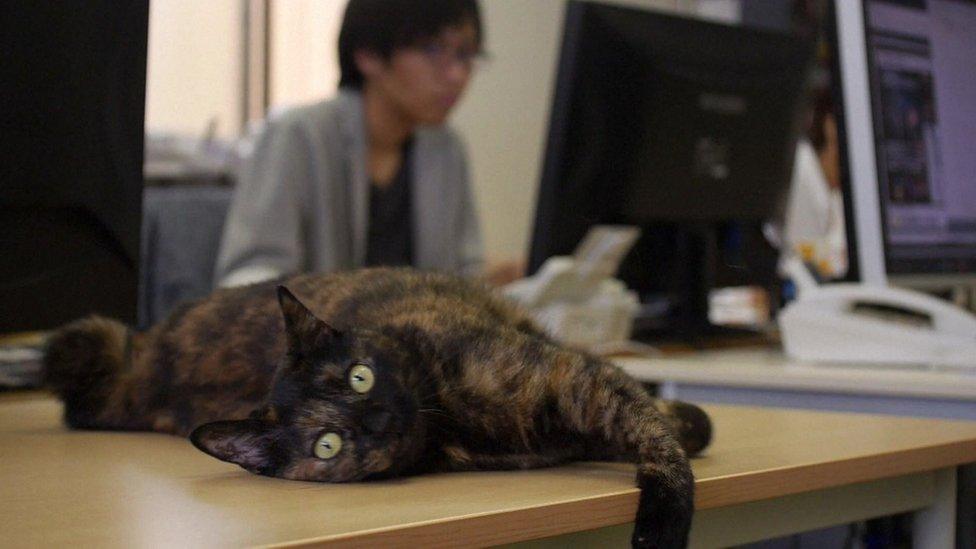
{"x":328,"y":445}
{"x":361,"y":378}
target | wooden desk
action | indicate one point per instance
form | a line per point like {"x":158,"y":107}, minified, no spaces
{"x":770,"y":472}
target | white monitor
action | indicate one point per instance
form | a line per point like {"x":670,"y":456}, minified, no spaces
{"x":908,"y":89}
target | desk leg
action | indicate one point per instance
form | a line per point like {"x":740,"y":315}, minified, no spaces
{"x":935,"y":525}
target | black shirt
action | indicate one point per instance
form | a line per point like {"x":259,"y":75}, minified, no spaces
{"x":389,"y":238}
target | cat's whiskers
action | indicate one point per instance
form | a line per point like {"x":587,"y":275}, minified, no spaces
{"x":438,"y":419}
{"x":433,"y":411}
{"x":426,"y":397}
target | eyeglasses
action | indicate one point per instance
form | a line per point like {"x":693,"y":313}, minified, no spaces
{"x":442,"y":55}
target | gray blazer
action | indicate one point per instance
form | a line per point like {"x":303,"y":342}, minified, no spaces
{"x":302,"y":200}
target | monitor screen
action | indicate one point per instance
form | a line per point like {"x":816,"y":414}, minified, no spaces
{"x":914,"y":187}
{"x":924,"y":102}
{"x":673,"y":124}
{"x":71,"y":153}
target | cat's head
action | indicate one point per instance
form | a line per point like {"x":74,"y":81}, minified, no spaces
{"x":339,"y":410}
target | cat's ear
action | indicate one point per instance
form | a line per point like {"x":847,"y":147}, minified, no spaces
{"x":245,"y":442}
{"x":304,"y":330}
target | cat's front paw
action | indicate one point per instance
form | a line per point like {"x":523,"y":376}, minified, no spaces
{"x":650,"y":538}
{"x":664,"y":513}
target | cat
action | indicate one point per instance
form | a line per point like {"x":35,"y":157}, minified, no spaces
{"x":396,"y":372}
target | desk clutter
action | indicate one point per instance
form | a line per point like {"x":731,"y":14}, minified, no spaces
{"x":172,"y":159}
{"x":576,"y":298}
{"x":874,"y":323}
{"x":20,"y":364}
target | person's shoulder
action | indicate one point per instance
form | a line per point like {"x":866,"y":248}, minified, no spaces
{"x":309,"y":115}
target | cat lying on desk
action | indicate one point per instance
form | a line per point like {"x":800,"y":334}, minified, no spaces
{"x":409,"y":373}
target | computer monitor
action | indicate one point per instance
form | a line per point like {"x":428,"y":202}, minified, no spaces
{"x":672,"y":124}
{"x":909,"y":127}
{"x":71,"y":154}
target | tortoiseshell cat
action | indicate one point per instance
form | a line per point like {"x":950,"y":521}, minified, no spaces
{"x":412,"y":372}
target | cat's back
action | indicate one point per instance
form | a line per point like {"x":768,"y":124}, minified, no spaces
{"x":233,"y":330}
{"x":245,"y":323}
{"x":371,"y":297}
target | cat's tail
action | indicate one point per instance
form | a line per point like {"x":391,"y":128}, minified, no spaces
{"x":81,"y":362}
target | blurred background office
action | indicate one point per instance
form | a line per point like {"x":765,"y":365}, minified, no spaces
{"x":217,"y":69}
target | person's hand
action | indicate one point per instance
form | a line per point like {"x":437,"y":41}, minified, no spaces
{"x":500,"y":273}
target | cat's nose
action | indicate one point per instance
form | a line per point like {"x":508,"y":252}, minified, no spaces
{"x":377,"y":421}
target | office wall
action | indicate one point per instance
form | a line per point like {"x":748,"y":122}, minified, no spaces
{"x":304,"y":61}
{"x":194,"y":66}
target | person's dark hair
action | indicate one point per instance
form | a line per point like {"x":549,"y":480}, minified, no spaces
{"x":382,"y":26}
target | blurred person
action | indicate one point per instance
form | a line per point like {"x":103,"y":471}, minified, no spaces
{"x":373,"y":176}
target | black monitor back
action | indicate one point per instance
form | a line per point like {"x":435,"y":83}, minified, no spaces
{"x":659,"y":121}
{"x":71,"y":155}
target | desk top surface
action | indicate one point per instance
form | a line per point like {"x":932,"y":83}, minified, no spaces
{"x":139,"y":489}
{"x":770,"y":368}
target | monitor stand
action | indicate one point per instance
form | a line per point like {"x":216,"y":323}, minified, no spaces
{"x":682,"y":316}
